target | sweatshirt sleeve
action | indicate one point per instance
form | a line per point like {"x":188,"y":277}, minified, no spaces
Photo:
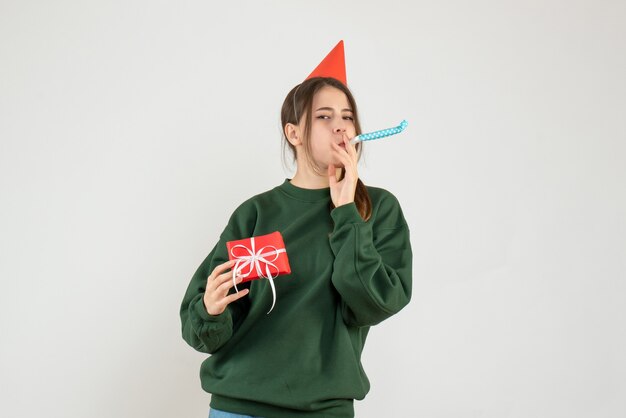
{"x":204,"y":332}
{"x":372,"y":270}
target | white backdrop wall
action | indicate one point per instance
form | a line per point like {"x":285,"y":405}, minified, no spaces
{"x":130,"y":130}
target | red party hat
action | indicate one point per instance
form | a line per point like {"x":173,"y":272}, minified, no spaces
{"x":334,"y":65}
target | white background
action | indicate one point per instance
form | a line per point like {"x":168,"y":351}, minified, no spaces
{"x":130,"y":131}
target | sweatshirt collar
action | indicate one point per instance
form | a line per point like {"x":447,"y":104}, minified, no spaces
{"x":308,"y":195}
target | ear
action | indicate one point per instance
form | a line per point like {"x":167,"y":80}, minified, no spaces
{"x":292,"y":133}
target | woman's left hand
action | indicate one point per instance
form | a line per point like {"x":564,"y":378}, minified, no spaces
{"x":342,"y":192}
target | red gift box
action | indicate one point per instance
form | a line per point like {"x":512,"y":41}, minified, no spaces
{"x":258,"y":257}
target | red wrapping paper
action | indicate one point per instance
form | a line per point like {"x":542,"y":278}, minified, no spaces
{"x":255,"y":256}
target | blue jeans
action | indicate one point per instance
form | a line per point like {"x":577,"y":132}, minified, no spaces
{"x":216,"y":413}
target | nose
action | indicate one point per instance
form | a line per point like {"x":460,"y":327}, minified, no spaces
{"x":340,"y":127}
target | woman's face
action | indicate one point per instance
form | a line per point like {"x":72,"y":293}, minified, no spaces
{"x":332,"y":118}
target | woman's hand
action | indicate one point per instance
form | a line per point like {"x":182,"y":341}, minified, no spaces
{"x":216,"y":296}
{"x":342,"y":192}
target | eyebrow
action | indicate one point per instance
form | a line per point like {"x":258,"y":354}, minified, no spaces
{"x":331,"y":109}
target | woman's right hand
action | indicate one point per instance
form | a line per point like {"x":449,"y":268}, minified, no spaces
{"x":216,"y":297}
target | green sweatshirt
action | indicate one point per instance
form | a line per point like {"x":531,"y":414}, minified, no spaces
{"x":303,"y":359}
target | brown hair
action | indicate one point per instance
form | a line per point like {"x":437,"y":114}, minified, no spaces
{"x":299,"y":101}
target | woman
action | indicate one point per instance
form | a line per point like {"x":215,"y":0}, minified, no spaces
{"x":350,"y":256}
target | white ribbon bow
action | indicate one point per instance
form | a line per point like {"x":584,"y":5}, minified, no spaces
{"x":253,"y":260}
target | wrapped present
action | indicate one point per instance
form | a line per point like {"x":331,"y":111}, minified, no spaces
{"x":258,"y":257}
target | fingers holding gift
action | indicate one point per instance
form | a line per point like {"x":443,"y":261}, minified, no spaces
{"x":218,"y":306}
{"x":225,"y":282}
{"x":216,"y":300}
{"x":235,"y":296}
{"x":218,"y":270}
{"x":216,"y":296}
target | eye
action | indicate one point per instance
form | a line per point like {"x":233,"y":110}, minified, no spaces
{"x":323,"y":116}
{"x":349,"y":118}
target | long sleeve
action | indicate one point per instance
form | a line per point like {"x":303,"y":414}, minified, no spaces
{"x":204,"y":332}
{"x":372,"y":270}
